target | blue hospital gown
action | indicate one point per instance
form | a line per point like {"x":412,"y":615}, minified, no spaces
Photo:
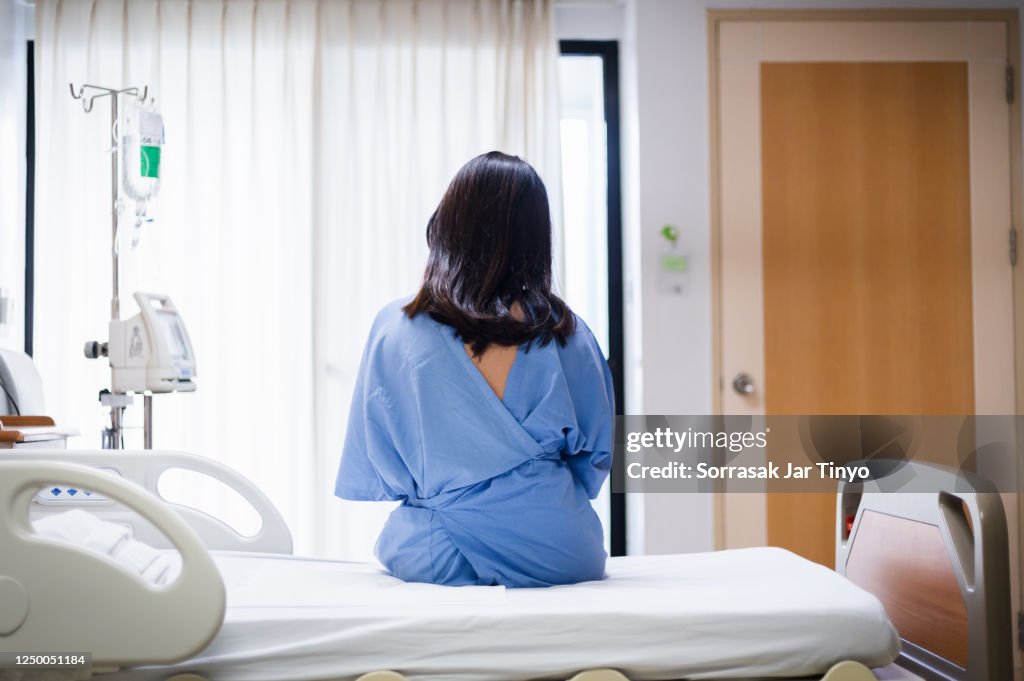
{"x":493,"y":491}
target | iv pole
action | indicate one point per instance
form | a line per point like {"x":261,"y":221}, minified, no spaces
{"x":113,"y":437}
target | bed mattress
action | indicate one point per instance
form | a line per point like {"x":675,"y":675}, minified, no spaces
{"x":760,"y":612}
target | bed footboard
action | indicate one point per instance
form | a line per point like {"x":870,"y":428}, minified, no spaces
{"x":939,"y":563}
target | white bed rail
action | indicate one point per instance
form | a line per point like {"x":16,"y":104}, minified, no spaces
{"x":56,"y":597}
{"x":145,"y":468}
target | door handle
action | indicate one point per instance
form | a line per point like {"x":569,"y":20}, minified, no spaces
{"x":743,"y":384}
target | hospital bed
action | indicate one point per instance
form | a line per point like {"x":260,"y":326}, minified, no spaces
{"x":244,"y":608}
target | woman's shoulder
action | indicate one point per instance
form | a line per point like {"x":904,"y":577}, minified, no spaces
{"x":393,"y":331}
{"x":582,"y":358}
{"x":390,"y":315}
{"x":582,"y":340}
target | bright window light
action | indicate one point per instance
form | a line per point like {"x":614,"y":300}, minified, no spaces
{"x":585,"y":207}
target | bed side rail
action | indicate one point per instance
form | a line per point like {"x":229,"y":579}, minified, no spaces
{"x":939,"y":563}
{"x":144,"y":468}
{"x":56,"y":597}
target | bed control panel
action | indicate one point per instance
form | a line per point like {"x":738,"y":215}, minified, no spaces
{"x":65,"y":495}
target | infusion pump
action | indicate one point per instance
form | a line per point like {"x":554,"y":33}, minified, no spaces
{"x":150,"y":351}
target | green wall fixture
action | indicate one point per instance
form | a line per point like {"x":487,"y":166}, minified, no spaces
{"x":673,"y":262}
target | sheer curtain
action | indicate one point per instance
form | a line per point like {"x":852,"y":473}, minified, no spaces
{"x":307,"y":143}
{"x":15,"y":29}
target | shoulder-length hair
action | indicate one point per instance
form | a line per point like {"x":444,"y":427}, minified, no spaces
{"x":489,"y":271}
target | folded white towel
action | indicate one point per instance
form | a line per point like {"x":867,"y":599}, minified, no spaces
{"x":85,"y":530}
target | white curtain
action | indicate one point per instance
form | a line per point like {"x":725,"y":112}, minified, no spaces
{"x":307,"y":143}
{"x":15,"y":29}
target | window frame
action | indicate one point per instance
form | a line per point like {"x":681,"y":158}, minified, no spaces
{"x":30,"y":195}
{"x":608,"y":51}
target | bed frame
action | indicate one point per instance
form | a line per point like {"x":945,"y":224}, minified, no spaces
{"x":939,"y":563}
{"x":844,"y":671}
{"x":967,"y":540}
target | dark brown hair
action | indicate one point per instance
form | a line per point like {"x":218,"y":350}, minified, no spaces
{"x":490,"y":248}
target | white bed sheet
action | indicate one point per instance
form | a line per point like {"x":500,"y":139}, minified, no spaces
{"x":760,"y":612}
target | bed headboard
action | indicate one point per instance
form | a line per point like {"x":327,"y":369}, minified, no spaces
{"x":116,"y":616}
{"x":144,"y":468}
{"x":939,"y":563}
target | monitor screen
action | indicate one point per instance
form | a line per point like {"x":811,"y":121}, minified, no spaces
{"x":174,"y":335}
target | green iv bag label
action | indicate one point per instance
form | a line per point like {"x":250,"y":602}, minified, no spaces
{"x":151,"y":134}
{"x":150,"y":162}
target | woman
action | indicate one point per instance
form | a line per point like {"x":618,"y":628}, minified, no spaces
{"x":484,"y":404}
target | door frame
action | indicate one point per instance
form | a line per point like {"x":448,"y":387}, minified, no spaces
{"x":715,"y":18}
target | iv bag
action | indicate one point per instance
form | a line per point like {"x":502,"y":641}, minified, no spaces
{"x":142,"y":139}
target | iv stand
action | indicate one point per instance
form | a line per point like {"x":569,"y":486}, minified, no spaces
{"x":113,"y":436}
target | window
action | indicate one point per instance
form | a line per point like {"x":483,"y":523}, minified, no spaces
{"x":588,"y":81}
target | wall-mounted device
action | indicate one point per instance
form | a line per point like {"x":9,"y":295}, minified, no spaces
{"x":673,"y":262}
{"x":6,"y":312}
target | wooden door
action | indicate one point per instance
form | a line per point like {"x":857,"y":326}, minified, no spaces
{"x":866,"y":251}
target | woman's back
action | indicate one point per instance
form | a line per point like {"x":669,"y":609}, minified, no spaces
{"x":495,"y":477}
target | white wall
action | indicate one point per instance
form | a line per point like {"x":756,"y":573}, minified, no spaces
{"x":665,"y":100}
{"x":590,"y":20}
{"x":667,"y":334}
